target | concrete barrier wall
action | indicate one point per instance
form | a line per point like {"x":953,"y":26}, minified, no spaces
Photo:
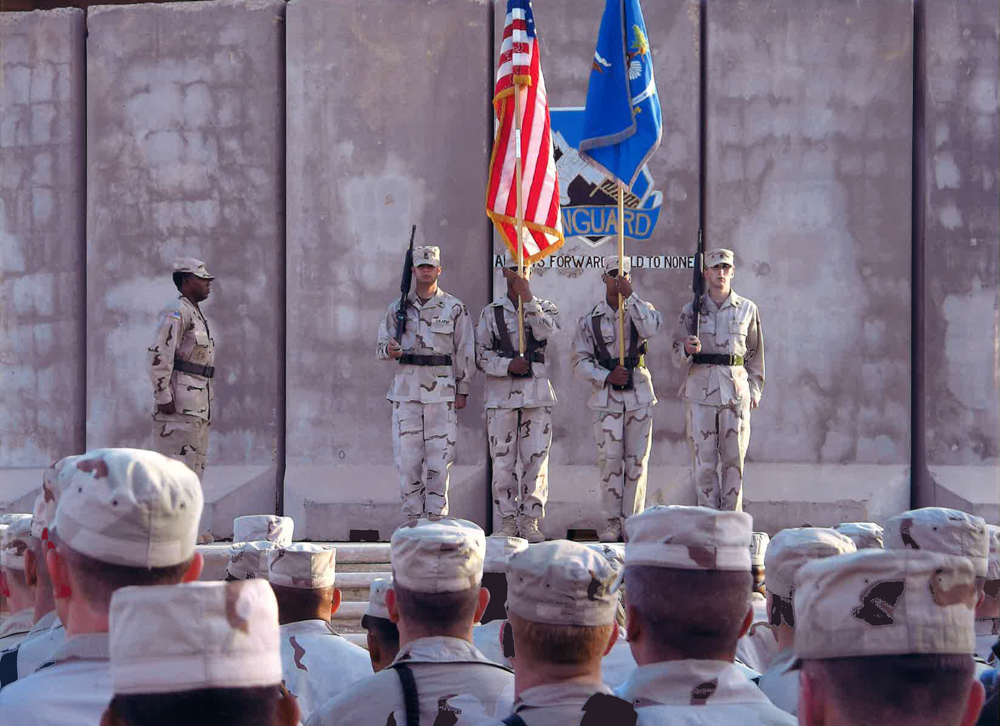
{"x":809,"y":182}
{"x":185,"y":120}
{"x":567,"y":33}
{"x":42,"y":212}
{"x":387,"y":126}
{"x":961,"y":254}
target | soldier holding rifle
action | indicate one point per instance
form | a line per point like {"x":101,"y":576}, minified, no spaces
{"x":719,"y":341}
{"x":429,"y":334}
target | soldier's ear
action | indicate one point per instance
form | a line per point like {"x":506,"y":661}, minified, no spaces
{"x":612,"y":640}
{"x":194,"y":569}
{"x":391,"y":605}
{"x":288,"y":712}
{"x":112,"y":716}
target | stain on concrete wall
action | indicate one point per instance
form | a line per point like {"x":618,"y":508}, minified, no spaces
{"x":962,"y":232}
{"x":387,"y":127}
{"x":185,"y":125}
{"x":809,"y":181}
{"x":42,"y":390}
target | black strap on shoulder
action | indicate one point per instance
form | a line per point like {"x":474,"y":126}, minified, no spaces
{"x":411,"y":699}
{"x":514,"y":720}
{"x":8,"y":667}
{"x":635,"y":350}
{"x":503,"y":334}
{"x":602,"y":347}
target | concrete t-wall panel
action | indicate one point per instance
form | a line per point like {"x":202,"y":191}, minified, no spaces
{"x":186,"y":157}
{"x":809,"y":148}
{"x":961,"y":249}
{"x":567,"y":31}
{"x":388,"y":108}
{"x":42,"y":326}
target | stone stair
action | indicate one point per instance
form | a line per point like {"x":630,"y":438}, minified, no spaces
{"x":358,"y":564}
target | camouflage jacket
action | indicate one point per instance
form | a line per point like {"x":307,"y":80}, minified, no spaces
{"x":441,"y":326}
{"x":697,"y":692}
{"x":182,"y":333}
{"x":502,"y":390}
{"x":732,"y":328}
{"x":16,"y":627}
{"x":647,"y":322}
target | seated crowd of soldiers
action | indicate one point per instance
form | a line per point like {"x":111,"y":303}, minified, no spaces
{"x":696,"y":619}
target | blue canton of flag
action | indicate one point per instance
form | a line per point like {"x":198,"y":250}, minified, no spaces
{"x":622,"y":123}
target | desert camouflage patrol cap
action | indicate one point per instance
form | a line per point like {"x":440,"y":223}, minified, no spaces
{"x":442,"y":555}
{"x":44,"y":515}
{"x":14,"y":542}
{"x":562,"y":583}
{"x":865,"y":535}
{"x":878,"y":602}
{"x":302,"y":566}
{"x":938,"y":529}
{"x":993,"y":566}
{"x":248,"y":560}
{"x":177,"y":638}
{"x":427,"y":255}
{"x":263,"y":528}
{"x":376,"y":598}
{"x":689,"y":538}
{"x":611,"y":263}
{"x":499,"y":548}
{"x":613,"y":552}
{"x":790,"y":549}
{"x":195,"y":266}
{"x":719,"y":256}
{"x":129,"y":507}
{"x":758,"y":548}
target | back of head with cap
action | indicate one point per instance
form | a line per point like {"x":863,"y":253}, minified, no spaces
{"x":197,"y":654}
{"x":248,"y":560}
{"x":499,"y":549}
{"x":15,"y":543}
{"x":688,"y":576}
{"x":383,"y":635}
{"x":125,"y":517}
{"x":562,"y":604}
{"x":886,"y":638}
{"x":302,"y":576}
{"x":437,"y":569}
{"x":865,"y":535}
{"x":938,"y":529}
{"x":263,"y":528}
{"x":790,"y":550}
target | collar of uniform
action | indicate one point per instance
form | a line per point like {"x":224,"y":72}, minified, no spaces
{"x":308,"y":627}
{"x":987,"y":626}
{"x":88,"y":646}
{"x":18,"y":623}
{"x":434,"y":300}
{"x":554,"y":695}
{"x":733,"y":300}
{"x":44,"y":623}
{"x":504,"y":302}
{"x":673,"y":683}
{"x":440,"y":649}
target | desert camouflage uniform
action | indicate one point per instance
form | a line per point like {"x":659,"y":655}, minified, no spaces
{"x":518,"y":410}
{"x":623,"y":423}
{"x":15,"y":628}
{"x":718,"y":397}
{"x":182,"y":332}
{"x":424,"y":419}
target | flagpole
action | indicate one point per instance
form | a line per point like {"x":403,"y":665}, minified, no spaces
{"x":621,"y":271}
{"x":520,"y":214}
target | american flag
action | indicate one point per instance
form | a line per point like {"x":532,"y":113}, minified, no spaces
{"x":519,"y":71}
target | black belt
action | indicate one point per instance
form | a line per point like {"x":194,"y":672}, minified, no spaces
{"x":193,"y":368}
{"x":415,"y":359}
{"x":536,"y":356}
{"x":612,"y":363}
{"x":717,"y":359}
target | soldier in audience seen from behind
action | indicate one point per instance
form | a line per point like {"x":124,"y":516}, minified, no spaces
{"x":263,"y":528}
{"x":759,"y":645}
{"x":203,"y":654}
{"x":988,"y":610}
{"x":383,"y":635}
{"x":865,"y":535}
{"x":316,"y":662}
{"x":489,"y":632}
{"x":15,"y":541}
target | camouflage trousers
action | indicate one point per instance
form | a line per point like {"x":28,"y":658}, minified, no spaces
{"x":623,"y":442}
{"x":714,"y":433}
{"x":423,"y":440}
{"x":182,"y":437}
{"x":525,"y":434}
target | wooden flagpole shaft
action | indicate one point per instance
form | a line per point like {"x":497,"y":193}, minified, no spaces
{"x":520,"y":215}
{"x":621,"y":271}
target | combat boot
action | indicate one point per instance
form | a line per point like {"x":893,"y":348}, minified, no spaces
{"x":529,"y":530}
{"x":614,"y":531}
{"x":508,"y":527}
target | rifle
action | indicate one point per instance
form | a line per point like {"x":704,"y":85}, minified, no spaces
{"x":698,"y":286}
{"x":404,"y":289}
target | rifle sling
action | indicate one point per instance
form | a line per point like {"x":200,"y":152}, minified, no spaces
{"x":532,"y":347}
{"x":634,"y":359}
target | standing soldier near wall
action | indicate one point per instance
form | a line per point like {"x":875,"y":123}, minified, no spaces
{"x":435,"y":355}
{"x":723,"y":385}
{"x":519,"y":400}
{"x":181,"y":367}
{"x":622,"y":397}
